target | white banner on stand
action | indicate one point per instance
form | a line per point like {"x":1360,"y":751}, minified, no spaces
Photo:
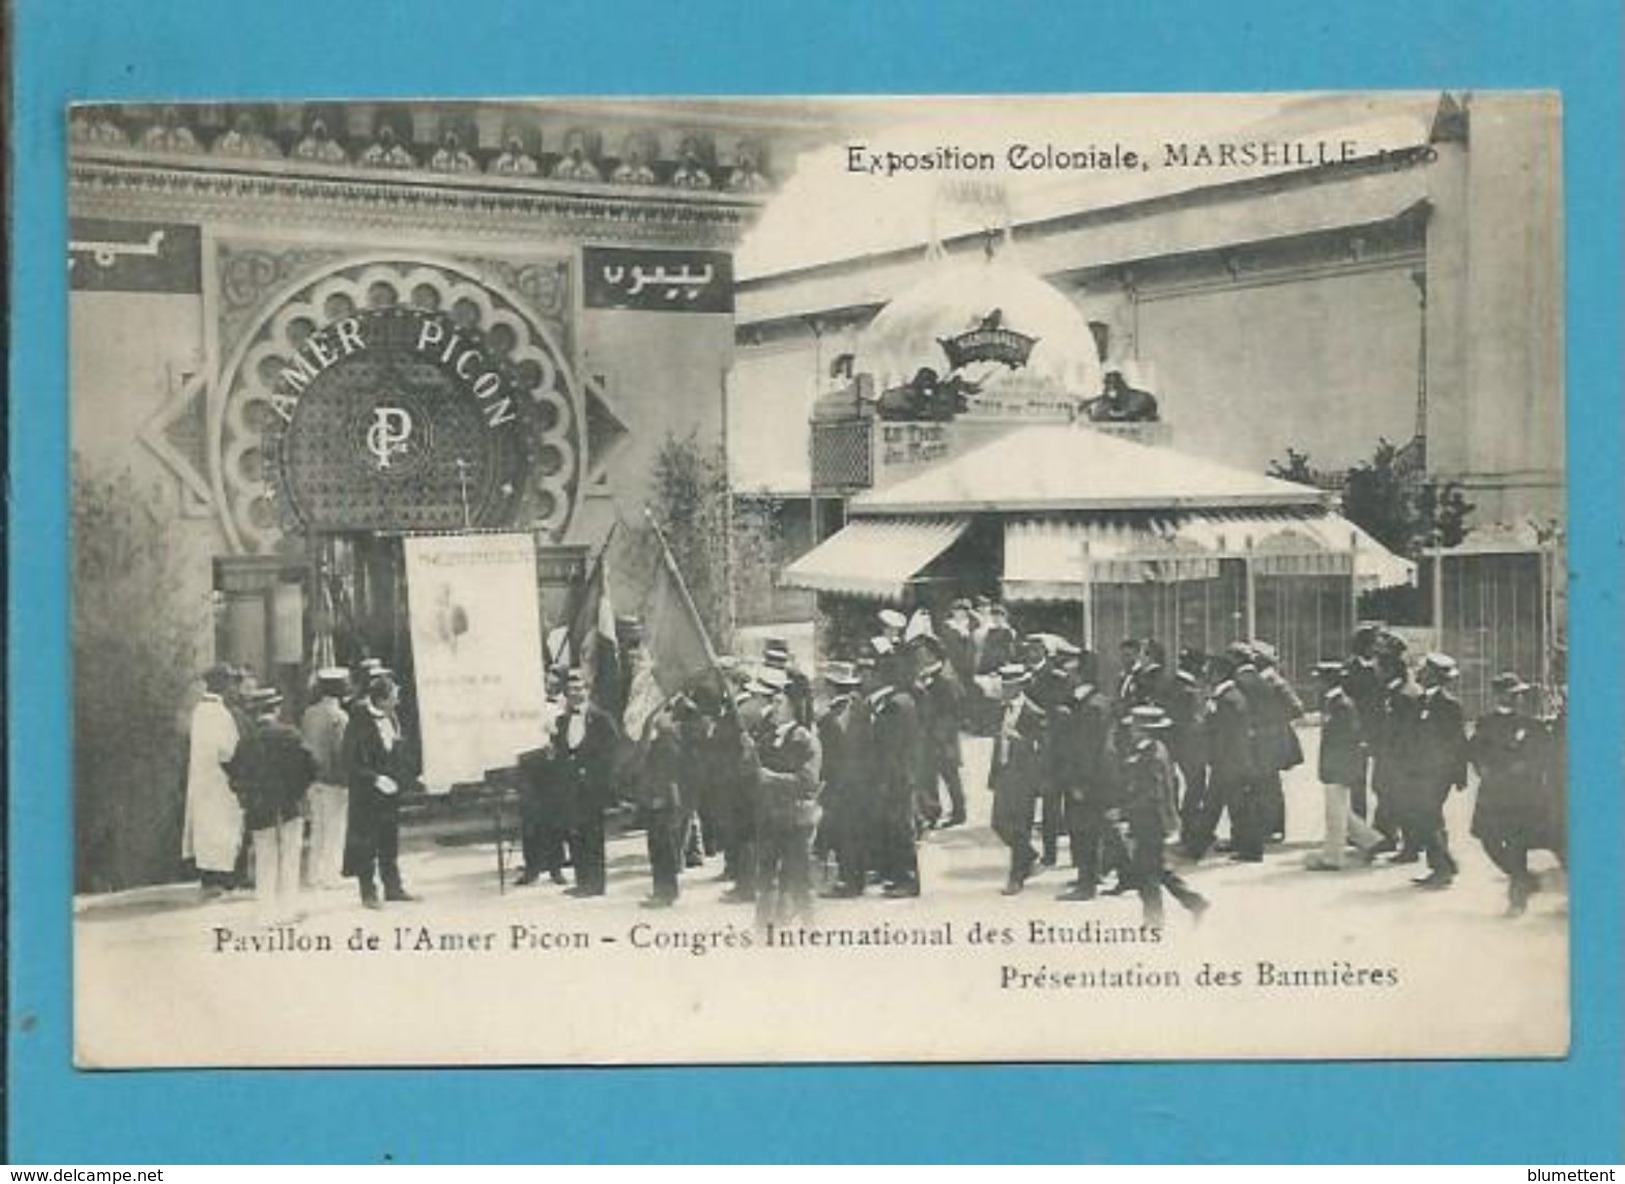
{"x":477,"y":652}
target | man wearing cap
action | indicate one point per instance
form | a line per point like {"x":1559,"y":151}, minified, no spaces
{"x":892,"y":624}
{"x":544,"y":823}
{"x":1017,"y":773}
{"x":1342,"y":766}
{"x":959,"y":642}
{"x":375,"y":757}
{"x":662,"y":792}
{"x":1393,"y":742}
{"x":844,"y":738}
{"x":271,"y":772}
{"x":321,"y":727}
{"x":940,"y":699}
{"x":1186,"y":705}
{"x":1441,"y":766}
{"x":213,"y":827}
{"x":1362,"y":684}
{"x":1078,"y":741}
{"x":584,"y":740}
{"x":1510,"y":750}
{"x":1051,"y":689}
{"x":776,"y":656}
{"x":1232,"y":772}
{"x":1274,"y":706}
{"x":1147,"y":813}
{"x":895,"y":739}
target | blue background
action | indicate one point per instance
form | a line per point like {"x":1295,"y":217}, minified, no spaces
{"x":1508,"y":1112}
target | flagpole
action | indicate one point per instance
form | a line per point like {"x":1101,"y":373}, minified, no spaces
{"x":682,"y":586}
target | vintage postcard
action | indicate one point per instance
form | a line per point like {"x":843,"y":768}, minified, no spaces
{"x":988,"y":578}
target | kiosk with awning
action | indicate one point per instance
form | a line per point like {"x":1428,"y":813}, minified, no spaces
{"x":1103,"y":538}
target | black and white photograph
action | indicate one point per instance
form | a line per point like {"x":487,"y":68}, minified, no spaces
{"x":650,"y":581}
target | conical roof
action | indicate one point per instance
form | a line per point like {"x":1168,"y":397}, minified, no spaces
{"x":1057,"y":467}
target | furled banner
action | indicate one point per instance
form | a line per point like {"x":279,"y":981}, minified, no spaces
{"x":477,"y":652}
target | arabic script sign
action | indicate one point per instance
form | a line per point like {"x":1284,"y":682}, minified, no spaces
{"x":657,"y":281}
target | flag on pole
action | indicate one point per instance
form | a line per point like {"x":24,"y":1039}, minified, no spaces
{"x":676,"y":653}
{"x":592,"y":644}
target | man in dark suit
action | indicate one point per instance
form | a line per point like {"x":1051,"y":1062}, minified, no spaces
{"x":1441,"y":766}
{"x":375,"y":758}
{"x":1017,"y":773}
{"x":1512,"y":752}
{"x":847,"y":796}
{"x":895,"y":767}
{"x":940,"y":699}
{"x":584,"y":740}
{"x":959,"y":642}
{"x":662,"y":796}
{"x":1231,"y":781}
{"x":787,"y":780}
{"x":1078,"y":739}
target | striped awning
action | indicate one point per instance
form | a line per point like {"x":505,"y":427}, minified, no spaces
{"x":876,"y":557}
{"x":1055,"y":558}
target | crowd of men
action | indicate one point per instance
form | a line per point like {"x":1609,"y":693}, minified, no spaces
{"x":828,"y":789}
{"x":255,"y":783}
{"x":804,"y":790}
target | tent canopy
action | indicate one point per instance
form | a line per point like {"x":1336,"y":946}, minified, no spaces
{"x":874,"y":557}
{"x":1048,"y":468}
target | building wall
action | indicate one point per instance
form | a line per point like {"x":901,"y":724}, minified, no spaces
{"x":1325,"y":364}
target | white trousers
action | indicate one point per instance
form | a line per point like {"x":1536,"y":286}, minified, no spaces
{"x":329,"y":813}
{"x":1342,"y":824}
{"x":276,"y":869}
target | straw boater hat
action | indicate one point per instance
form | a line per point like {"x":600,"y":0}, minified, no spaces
{"x":1150,"y":717}
{"x":333,"y":678}
{"x":1329,"y":670}
{"x":776,"y":653}
{"x":893,"y":619}
{"x":769,"y":682}
{"x":842,"y":674}
{"x":1013,"y":674}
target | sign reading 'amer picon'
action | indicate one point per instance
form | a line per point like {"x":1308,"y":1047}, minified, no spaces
{"x":398,"y":419}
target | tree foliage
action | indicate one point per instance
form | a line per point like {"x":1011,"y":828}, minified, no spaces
{"x":135,"y":656}
{"x":688,"y":498}
{"x":1390,"y":500}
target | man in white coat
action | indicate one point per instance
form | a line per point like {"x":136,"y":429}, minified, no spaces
{"x":213,"y":831}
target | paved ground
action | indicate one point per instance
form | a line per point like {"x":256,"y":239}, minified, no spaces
{"x":1469,"y":982}
{"x":964,"y":864}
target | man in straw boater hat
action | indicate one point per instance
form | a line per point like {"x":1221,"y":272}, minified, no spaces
{"x":786,"y":804}
{"x":1342,"y":766}
{"x":213,"y":827}
{"x":1441,"y":766}
{"x":321,"y":727}
{"x":1017,"y":773}
{"x":377,"y":772}
{"x":272,"y":772}
{"x":1515,"y":811}
{"x":1147,"y":813}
